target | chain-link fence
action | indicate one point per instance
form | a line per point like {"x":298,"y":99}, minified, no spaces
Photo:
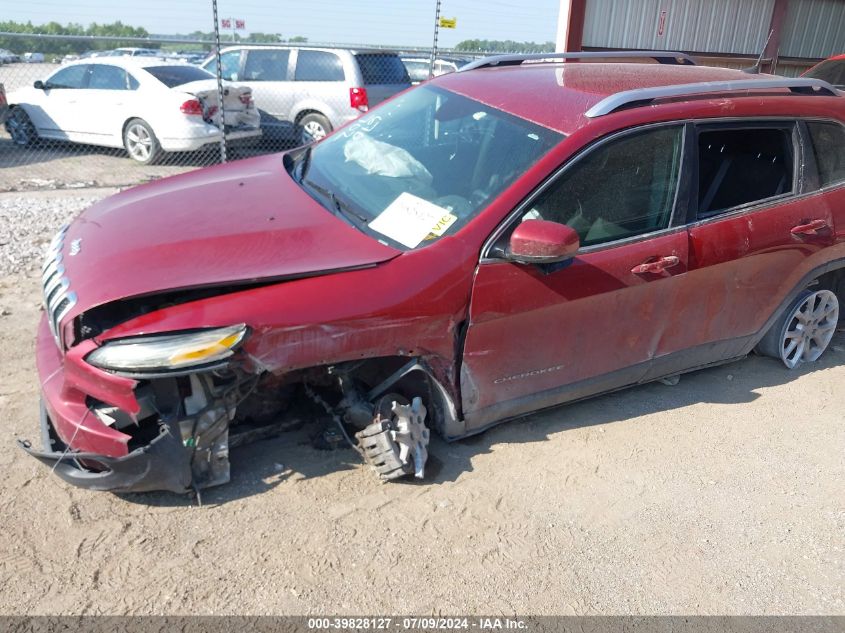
{"x":113,"y":111}
{"x":109,"y":111}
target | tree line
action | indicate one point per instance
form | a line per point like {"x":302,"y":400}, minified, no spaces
{"x":504,"y":46}
{"x":22,"y":43}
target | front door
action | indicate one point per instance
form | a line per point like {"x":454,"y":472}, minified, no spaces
{"x":541,"y":335}
{"x":57,"y":111}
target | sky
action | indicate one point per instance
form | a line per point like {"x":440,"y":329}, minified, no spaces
{"x":387,"y":22}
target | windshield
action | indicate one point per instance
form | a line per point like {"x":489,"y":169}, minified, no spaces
{"x":832,"y":71}
{"x":421,"y":166}
{"x":173,"y":75}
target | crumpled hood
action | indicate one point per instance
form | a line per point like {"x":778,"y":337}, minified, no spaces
{"x":241,"y":222}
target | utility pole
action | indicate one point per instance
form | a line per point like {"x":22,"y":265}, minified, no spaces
{"x":219,"y":83}
{"x":434,"y":46}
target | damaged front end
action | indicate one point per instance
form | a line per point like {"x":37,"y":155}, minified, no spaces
{"x":187,"y":398}
{"x":177,"y":440}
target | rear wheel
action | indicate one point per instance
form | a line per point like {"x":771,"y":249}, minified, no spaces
{"x":802,"y":333}
{"x":314,"y":127}
{"x":140,"y":142}
{"x":20,"y":128}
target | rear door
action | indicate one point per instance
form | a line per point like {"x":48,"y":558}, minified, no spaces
{"x":104,"y":103}
{"x":267,"y":72}
{"x":321,"y":85}
{"x":383,"y":74}
{"x":541,"y":335}
{"x":753,"y":236}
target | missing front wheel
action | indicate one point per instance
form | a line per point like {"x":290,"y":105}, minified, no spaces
{"x":398,"y":445}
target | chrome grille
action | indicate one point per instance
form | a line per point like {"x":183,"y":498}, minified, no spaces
{"x":58,"y":298}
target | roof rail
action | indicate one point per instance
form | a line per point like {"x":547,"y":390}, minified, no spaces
{"x":663,"y":57}
{"x":644,"y":96}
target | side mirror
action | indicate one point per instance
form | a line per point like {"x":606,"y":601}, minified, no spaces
{"x":543,"y":242}
{"x":39,"y":85}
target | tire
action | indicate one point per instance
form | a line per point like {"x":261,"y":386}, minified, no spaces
{"x":313,"y":127}
{"x":803,"y":331}
{"x":20,"y":128}
{"x":140,"y":142}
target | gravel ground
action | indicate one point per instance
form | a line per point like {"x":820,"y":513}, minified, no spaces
{"x":27,"y":223}
{"x":721,"y":495}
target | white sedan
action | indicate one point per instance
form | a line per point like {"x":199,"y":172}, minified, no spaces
{"x":144,"y":105}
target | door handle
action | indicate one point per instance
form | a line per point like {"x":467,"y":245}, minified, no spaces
{"x":810,"y":228}
{"x":657,"y":266}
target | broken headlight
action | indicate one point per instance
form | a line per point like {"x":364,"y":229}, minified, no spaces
{"x":168,"y":352}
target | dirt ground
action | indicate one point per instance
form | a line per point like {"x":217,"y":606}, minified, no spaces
{"x":724,"y":494}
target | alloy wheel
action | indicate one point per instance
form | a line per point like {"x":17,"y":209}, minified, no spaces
{"x":809,"y":329}
{"x":314,"y":131}
{"x":20,"y":128}
{"x":139,"y":143}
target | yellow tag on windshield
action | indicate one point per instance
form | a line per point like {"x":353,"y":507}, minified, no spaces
{"x":443,"y":224}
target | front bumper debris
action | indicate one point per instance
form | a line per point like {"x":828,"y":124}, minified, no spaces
{"x":163,"y":464}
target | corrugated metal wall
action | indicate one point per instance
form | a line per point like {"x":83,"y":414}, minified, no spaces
{"x":813,"y":28}
{"x":724,"y":26}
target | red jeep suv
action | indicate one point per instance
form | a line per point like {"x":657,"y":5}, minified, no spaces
{"x":528,"y":231}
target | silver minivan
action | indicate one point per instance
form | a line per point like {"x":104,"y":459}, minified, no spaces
{"x":304,"y":93}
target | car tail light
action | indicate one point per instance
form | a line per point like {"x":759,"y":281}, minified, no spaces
{"x":2,"y":98}
{"x":192,"y":106}
{"x":358,"y":99}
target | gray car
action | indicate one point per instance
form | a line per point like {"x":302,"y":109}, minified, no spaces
{"x":303,"y":93}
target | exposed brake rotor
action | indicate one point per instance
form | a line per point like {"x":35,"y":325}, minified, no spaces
{"x":397,"y":446}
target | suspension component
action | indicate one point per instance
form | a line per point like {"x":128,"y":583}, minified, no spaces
{"x":397,"y":446}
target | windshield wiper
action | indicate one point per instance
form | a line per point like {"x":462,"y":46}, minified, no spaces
{"x":339,"y":206}
{"x":344,"y":208}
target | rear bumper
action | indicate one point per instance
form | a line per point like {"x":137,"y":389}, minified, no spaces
{"x":204,"y":135}
{"x":163,"y":464}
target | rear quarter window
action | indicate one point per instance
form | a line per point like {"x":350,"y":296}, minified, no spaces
{"x":382,"y":68}
{"x":828,"y":141}
{"x":318,"y":66}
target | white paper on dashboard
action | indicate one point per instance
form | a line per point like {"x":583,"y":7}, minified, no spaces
{"x":409,"y":219}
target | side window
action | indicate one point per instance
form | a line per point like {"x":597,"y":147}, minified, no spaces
{"x":318,"y":66}
{"x":230,"y":63}
{"x":828,"y":141}
{"x":266,"y":65}
{"x":741,"y":166}
{"x":107,"y":78}
{"x":71,"y":77}
{"x":623,"y":188}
